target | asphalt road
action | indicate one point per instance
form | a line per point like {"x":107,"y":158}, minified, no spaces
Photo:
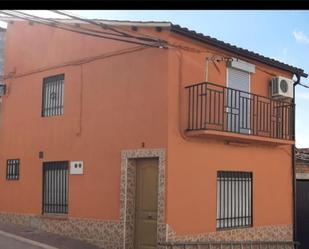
{"x":7,"y":242}
{"x":21,"y":237}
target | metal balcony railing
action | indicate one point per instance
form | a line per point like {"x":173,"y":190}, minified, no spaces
{"x":231,"y":245}
{"x":215,"y":107}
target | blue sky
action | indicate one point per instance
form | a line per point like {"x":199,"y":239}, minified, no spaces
{"x":283,"y":35}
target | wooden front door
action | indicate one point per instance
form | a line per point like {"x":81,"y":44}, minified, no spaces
{"x":146,"y":203}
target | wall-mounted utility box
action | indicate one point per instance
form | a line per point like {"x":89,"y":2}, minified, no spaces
{"x":76,"y":167}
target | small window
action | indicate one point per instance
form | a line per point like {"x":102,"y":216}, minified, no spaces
{"x":53,"y":96}
{"x":55,"y":187}
{"x":234,"y":199}
{"x":12,"y":169}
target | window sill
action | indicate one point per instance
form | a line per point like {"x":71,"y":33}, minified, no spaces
{"x":55,"y":216}
{"x":233,"y":228}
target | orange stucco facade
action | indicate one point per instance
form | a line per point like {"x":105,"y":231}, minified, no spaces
{"x":128,"y":100}
{"x":193,"y":163}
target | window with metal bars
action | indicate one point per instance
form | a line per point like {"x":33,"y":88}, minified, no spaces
{"x":53,"y":95}
{"x":234,"y":199}
{"x":12,"y":169}
{"x":55,"y":187}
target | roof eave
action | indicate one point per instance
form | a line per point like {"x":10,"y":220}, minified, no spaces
{"x":238,"y":51}
{"x":102,"y":21}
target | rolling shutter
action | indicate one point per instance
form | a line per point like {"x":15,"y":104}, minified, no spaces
{"x":238,"y":79}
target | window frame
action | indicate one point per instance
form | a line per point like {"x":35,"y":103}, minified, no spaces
{"x":229,"y":220}
{"x":53,"y":84}
{"x":16,"y":169}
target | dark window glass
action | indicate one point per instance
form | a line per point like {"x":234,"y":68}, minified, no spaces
{"x":234,"y":199}
{"x":53,"y":96}
{"x":12,"y":169}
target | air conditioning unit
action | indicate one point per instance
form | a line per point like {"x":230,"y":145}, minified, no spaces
{"x":281,"y":87}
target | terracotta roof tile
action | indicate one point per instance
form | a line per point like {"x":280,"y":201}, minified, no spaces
{"x":232,"y":48}
{"x":302,"y":155}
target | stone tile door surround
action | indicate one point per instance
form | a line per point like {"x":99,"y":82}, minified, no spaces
{"x":127,"y":193}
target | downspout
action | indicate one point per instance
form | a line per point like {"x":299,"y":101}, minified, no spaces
{"x":294,"y":162}
{"x":206,"y":70}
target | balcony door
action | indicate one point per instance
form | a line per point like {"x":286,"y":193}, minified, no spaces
{"x":238,"y":101}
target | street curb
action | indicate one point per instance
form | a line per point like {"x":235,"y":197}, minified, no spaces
{"x":29,"y":241}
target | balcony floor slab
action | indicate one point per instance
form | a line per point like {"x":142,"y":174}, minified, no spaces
{"x":238,"y":137}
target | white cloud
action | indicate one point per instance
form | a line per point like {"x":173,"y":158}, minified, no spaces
{"x":301,"y":37}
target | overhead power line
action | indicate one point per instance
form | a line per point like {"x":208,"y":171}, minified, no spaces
{"x":190,"y":49}
{"x":68,"y":25}
{"x":123,"y":34}
{"x":56,"y":24}
{"x":120,"y":36}
{"x":119,"y":27}
{"x":106,"y":26}
{"x":173,"y":45}
{"x":71,"y":28}
{"x":303,"y":85}
{"x":102,"y":25}
{"x":76,"y":62}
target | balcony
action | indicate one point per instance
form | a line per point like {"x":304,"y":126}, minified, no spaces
{"x":220,"y":112}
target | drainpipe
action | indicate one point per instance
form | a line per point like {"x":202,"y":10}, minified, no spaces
{"x":294,"y":161}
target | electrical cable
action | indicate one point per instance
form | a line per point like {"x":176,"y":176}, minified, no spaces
{"x":187,"y":48}
{"x":303,"y":85}
{"x":102,"y":25}
{"x":118,"y":27}
{"x":93,"y":30}
{"x":56,"y":24}
{"x":120,"y":34}
{"x":95,"y":23}
{"x":76,"y":31}
{"x":105,"y":26}
{"x":75,"y":62}
{"x":71,"y":26}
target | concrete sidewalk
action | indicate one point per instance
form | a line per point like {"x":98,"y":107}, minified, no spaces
{"x":14,"y":236}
